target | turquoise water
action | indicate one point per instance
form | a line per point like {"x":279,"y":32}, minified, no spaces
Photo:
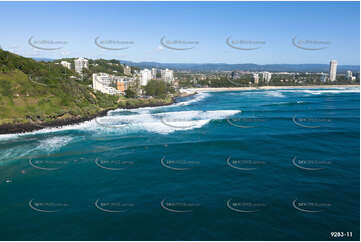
{"x":247,"y":165}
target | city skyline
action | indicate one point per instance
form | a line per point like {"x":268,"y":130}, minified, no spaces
{"x":237,"y":32}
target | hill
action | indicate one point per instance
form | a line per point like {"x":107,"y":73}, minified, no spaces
{"x":36,"y":94}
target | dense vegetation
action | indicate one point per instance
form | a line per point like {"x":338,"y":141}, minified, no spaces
{"x":158,"y":88}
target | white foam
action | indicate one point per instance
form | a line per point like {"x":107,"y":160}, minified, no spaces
{"x":274,"y":94}
{"x":47,"y":145}
{"x":163,"y":123}
{"x":8,"y":136}
{"x":318,"y":92}
{"x":310,"y":91}
{"x":53,"y":143}
{"x":196,"y":98}
{"x":92,"y":124}
{"x":10,"y":153}
{"x":321,"y":91}
{"x":79,"y":126}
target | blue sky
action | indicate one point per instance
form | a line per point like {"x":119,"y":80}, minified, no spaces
{"x":268,"y":26}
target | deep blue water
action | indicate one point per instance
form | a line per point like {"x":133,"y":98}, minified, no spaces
{"x":249,"y":165}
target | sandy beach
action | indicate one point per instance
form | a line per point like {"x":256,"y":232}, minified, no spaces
{"x":224,"y":89}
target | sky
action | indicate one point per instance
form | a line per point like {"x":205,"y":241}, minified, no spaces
{"x":185,"y":32}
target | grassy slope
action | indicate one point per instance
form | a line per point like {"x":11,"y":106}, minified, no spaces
{"x":31,"y":91}
{"x":22,"y":100}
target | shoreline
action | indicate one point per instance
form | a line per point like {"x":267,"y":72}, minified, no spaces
{"x":30,"y":127}
{"x":229,"y":89}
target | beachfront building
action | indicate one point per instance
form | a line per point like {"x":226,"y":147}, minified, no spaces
{"x":80,"y":64}
{"x":66,"y":64}
{"x":348,"y":75}
{"x":333,"y":70}
{"x":357,"y":75}
{"x":255,"y":78}
{"x":167,"y":75}
{"x":145,"y":76}
{"x":266,"y":76}
{"x":323,"y":77}
{"x":106,"y":83}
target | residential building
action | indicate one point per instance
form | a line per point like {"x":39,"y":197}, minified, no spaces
{"x":145,"y":76}
{"x":266,"y":76}
{"x":80,"y":64}
{"x":127,"y":70}
{"x":323,"y":77}
{"x":66,"y":64}
{"x":167,"y":75}
{"x":348,"y":75}
{"x":333,"y":70}
{"x":104,"y":83}
{"x":121,"y":86}
{"x":154,"y":73}
{"x":256,"y":78}
{"x":123,"y":83}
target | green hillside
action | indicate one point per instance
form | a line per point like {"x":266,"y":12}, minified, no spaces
{"x":35,"y":92}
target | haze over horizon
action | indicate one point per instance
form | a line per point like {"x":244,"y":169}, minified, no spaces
{"x":186,"y":32}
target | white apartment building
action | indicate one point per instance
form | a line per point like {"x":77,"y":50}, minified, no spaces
{"x":66,"y":64}
{"x":103,"y":82}
{"x":349,"y":75}
{"x":145,"y":76}
{"x":323,"y":77}
{"x":256,"y":78}
{"x":266,"y":76}
{"x":333,"y":70}
{"x":154,"y":73}
{"x":80,"y":63}
{"x":167,"y":75}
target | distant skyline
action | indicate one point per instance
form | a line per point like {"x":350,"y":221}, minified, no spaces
{"x":185,"y":32}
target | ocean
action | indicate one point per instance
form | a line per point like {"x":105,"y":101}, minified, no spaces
{"x":279,"y":164}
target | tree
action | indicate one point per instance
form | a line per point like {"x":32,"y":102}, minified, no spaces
{"x":156,"y":88}
{"x":129,"y":93}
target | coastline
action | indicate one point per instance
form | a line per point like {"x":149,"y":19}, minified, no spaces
{"x":229,"y":89}
{"x":30,"y":127}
